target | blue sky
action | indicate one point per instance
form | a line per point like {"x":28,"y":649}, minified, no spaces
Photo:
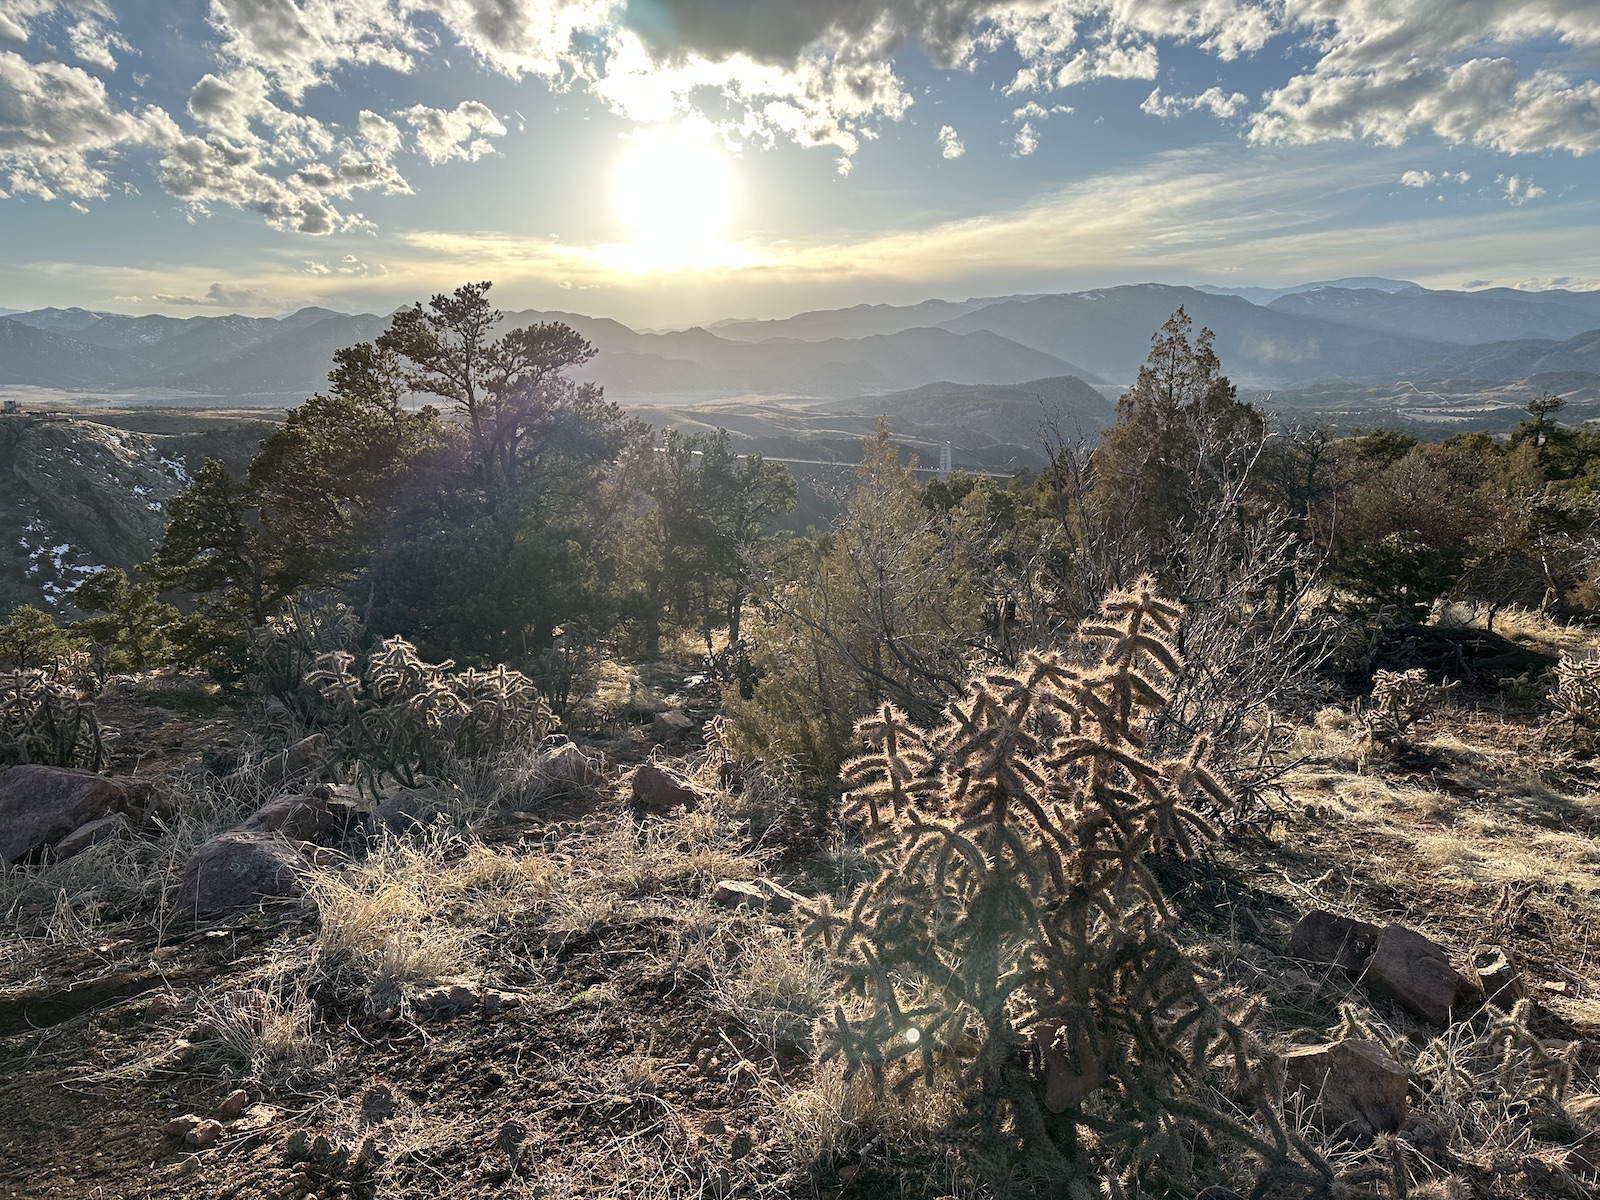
{"x":669,"y":162}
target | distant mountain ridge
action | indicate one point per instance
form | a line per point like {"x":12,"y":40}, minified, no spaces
{"x":1355,"y":331}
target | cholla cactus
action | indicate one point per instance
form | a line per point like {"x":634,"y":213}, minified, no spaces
{"x":1576,"y":696}
{"x":292,"y":643}
{"x":43,"y":721}
{"x":1016,"y":937}
{"x":1400,"y":701}
{"x":399,"y":717}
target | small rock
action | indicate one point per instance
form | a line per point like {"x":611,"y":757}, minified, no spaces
{"x":450,"y":997}
{"x":162,"y":1005}
{"x":1353,"y":1082}
{"x":163,"y":954}
{"x":189,"y":1166}
{"x":1416,"y":974}
{"x":657,"y":792}
{"x":303,"y":818}
{"x":204,"y":1134}
{"x":741,"y":1145}
{"x":568,"y":765}
{"x":671,"y":725}
{"x":558,"y":940}
{"x":761,"y":894}
{"x":1325,"y":937}
{"x":110,"y":828}
{"x":1497,"y":976}
{"x":715,"y":1127}
{"x":180,"y":1126}
{"x":233,"y":1104}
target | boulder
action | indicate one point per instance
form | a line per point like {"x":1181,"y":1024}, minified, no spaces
{"x":1335,"y":941}
{"x":657,"y":792}
{"x":763,"y":895}
{"x":307,"y":757}
{"x":403,"y":809}
{"x":671,"y":725}
{"x":1416,"y":974}
{"x":566,"y":765}
{"x":1353,"y":1083}
{"x":108,"y":828}
{"x":237,"y":869}
{"x":304,"y":818}
{"x":40,"y":805}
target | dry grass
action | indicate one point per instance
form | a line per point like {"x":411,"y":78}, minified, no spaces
{"x":775,"y":986}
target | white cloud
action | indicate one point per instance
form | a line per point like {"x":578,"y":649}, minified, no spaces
{"x":58,"y":128}
{"x":445,"y":134}
{"x":1422,"y":179}
{"x":1026,"y":140}
{"x":220,"y":295}
{"x":1214,"y":100}
{"x":950,"y":145}
{"x":1520,"y":190}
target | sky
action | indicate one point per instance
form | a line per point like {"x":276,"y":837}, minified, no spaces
{"x":672,"y":162}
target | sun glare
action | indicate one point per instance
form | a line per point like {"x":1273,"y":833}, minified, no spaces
{"x":675,"y":191}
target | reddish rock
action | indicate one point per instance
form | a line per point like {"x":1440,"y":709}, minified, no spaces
{"x":1335,"y":941}
{"x":762,"y":894}
{"x":304,"y":818}
{"x":1416,"y":974}
{"x":448,"y":997}
{"x":1353,"y":1082}
{"x":670,"y":726}
{"x":657,"y":792}
{"x":233,"y":1104}
{"x":405,"y":809}
{"x":110,"y":828}
{"x":238,"y":869}
{"x":567,"y":765}
{"x":204,"y":1134}
{"x":40,"y":805}
{"x":180,"y":1126}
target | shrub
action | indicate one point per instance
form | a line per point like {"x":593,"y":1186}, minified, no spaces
{"x":395,"y":716}
{"x":43,"y":721}
{"x":1400,"y":701}
{"x":1576,"y":695}
{"x":1015,"y":939}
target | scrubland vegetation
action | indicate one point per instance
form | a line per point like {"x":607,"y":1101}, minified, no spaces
{"x":960,"y":849}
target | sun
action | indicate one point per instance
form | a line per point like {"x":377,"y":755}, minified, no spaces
{"x":674,"y":190}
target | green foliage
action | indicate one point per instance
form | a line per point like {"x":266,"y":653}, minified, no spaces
{"x":32,"y":641}
{"x":129,"y":628}
{"x":712,"y":509}
{"x":1015,"y":942}
{"x":887,"y":607}
{"x":44,"y":721}
{"x":395,"y":716}
{"x":1178,"y":458}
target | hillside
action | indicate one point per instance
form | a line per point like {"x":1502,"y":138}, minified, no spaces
{"x":89,"y":494}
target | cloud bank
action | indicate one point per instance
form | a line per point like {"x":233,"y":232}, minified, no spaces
{"x":820,"y":73}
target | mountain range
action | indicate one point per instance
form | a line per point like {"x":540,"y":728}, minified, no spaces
{"x":1360,"y":333}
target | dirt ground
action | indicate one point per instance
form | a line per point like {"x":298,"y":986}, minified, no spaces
{"x":646,"y":1043}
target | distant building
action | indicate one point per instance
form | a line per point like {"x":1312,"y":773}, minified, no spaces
{"x":10,"y":407}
